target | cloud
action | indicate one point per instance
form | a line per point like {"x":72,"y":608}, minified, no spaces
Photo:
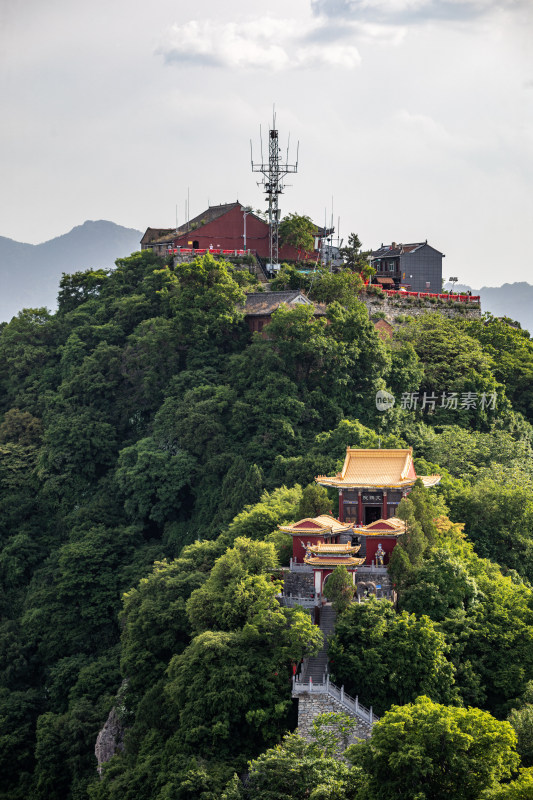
{"x":266,"y":44}
{"x":412,"y":11}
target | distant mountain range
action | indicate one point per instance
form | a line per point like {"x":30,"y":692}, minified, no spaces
{"x":30,"y":273}
{"x":513,"y":300}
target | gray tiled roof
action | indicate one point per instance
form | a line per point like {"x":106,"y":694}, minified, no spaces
{"x":264,"y":303}
{"x":387,"y":251}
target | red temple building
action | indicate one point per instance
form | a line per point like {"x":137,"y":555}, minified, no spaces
{"x":225,"y":229}
{"x":324,"y":558}
{"x":378,"y":540}
{"x":320,"y":544}
{"x":317,"y":530}
{"x":372,"y":483}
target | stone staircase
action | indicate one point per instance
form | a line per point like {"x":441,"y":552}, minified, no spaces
{"x":317,"y":666}
{"x":317,"y":695}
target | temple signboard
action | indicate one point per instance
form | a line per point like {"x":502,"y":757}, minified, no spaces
{"x":375,"y":497}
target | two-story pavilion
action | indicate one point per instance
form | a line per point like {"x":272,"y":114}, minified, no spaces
{"x":372,"y":483}
{"x":324,"y":558}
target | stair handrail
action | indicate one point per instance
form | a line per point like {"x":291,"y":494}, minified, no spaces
{"x":327,"y":687}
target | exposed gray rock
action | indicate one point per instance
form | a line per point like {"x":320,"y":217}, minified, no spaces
{"x":109,"y":741}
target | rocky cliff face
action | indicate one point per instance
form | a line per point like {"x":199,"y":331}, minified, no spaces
{"x":110,"y":740}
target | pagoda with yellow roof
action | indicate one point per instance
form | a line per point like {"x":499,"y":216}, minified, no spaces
{"x":319,"y":544}
{"x":372,"y":483}
{"x":316,"y":530}
{"x":325,"y":557}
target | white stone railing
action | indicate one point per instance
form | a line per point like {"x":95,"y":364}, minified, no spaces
{"x":292,"y":600}
{"x":326,"y":687}
{"x":371,"y":568}
{"x":298,"y":566}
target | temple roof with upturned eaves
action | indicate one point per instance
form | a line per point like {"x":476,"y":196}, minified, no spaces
{"x":377,"y":468}
{"x":332,"y":561}
{"x":334,"y":549}
{"x":324,"y":554}
{"x":382,"y":527}
{"x":322,"y":525}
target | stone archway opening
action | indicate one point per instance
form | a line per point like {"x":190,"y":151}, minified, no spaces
{"x":366,"y":589}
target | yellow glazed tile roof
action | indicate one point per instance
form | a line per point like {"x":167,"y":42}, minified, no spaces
{"x":376,"y":468}
{"x":324,"y":561}
{"x":336,"y":526}
{"x":382,"y":527}
{"x":334,"y":549}
{"x":323,"y":524}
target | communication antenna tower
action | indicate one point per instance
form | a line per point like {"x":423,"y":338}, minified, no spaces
{"x":273,"y":185}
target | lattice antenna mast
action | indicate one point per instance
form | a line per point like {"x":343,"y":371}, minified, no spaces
{"x":273,"y":183}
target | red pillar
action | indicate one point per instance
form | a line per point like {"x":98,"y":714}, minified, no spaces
{"x":384,"y":510}
{"x":341,"y":505}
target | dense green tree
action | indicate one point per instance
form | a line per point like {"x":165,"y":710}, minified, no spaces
{"x":154,"y":620}
{"x":315,"y":501}
{"x":519,"y":789}
{"x":413,"y":541}
{"x":78,"y":589}
{"x":298,"y":231}
{"x":454,"y":364}
{"x":20,"y":427}
{"x":385,"y":657}
{"x":238,"y":586}
{"x":426,"y":750}
{"x":79,"y":287}
{"x":522,"y":721}
{"x":289,"y":277}
{"x":330,"y":287}
{"x":512,"y":352}
{"x":354,"y":257}
{"x":28,"y":360}
{"x":17,"y":723}
{"x":154,"y":481}
{"x":406,"y":370}
{"x":273,"y":509}
{"x":467,"y":453}
{"x":339,"y":589}
{"x":231,"y":688}
{"x":442,"y":585}
{"x":498,"y":514}
{"x":296,"y":770}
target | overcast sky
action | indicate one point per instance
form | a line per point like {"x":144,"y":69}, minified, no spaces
{"x":416,"y":116}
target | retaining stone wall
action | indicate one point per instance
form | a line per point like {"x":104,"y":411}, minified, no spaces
{"x":311,"y":705}
{"x":397,"y":306}
{"x":378,"y":579}
{"x":301,"y":583}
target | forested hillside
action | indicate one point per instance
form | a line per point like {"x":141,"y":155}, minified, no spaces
{"x":150,"y":447}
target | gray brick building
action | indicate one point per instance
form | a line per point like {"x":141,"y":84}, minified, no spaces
{"x":416,"y":266}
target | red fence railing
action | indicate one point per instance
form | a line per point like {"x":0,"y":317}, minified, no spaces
{"x":203,"y":251}
{"x":462,"y":298}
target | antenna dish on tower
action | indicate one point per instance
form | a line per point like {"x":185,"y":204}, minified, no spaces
{"x":273,"y":185}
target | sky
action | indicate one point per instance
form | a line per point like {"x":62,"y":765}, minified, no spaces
{"x":414,"y":118}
